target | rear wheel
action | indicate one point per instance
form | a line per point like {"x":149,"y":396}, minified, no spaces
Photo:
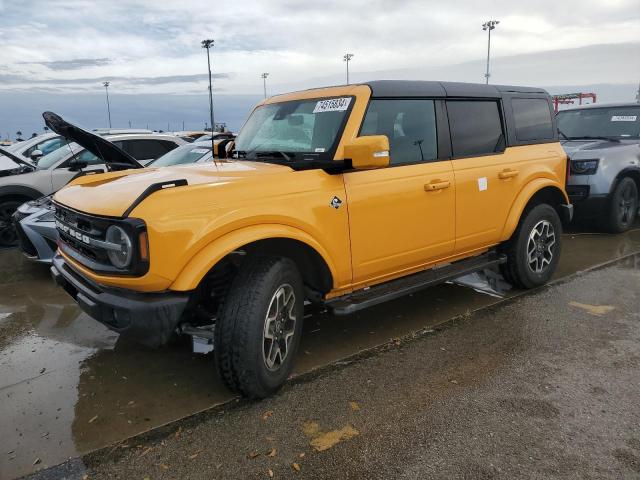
{"x":8,"y":234}
{"x":259,"y":326}
{"x":623,"y":206}
{"x":534,"y":250}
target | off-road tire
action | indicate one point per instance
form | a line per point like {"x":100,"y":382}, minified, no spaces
{"x":517,"y":269}
{"x":8,"y":234}
{"x":626,"y":192}
{"x":238,"y":344}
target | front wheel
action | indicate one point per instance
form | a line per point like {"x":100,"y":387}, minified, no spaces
{"x":534,"y":250}
{"x":623,"y":206}
{"x":8,"y":234}
{"x":259,"y":326}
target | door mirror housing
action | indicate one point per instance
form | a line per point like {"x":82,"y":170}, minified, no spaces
{"x":36,"y":155}
{"x":76,"y":165}
{"x":370,"y":151}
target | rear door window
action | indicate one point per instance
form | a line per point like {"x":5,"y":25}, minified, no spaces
{"x":532,"y":118}
{"x":410,"y":126}
{"x":476,"y":127}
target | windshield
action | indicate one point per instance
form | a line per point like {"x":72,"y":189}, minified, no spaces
{"x":183,"y":154}
{"x":286,"y":129}
{"x":54,"y":157}
{"x":615,"y":122}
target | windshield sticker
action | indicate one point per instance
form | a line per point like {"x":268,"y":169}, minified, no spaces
{"x":199,"y":150}
{"x":319,"y":150}
{"x":624,"y":118}
{"x":332,"y":105}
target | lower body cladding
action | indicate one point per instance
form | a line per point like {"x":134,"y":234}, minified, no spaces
{"x":147,"y":318}
{"x":587,"y":205}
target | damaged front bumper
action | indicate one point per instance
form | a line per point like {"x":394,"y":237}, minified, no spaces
{"x":146,"y":318}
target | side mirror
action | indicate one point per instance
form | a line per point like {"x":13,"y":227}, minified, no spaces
{"x":77,"y":165}
{"x":36,"y":155}
{"x":371,"y":151}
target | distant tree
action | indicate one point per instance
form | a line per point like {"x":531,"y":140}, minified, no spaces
{"x":19,"y":136}
{"x":34,"y":135}
{"x":46,"y":129}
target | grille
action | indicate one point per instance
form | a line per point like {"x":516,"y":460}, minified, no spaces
{"x":85,"y":226}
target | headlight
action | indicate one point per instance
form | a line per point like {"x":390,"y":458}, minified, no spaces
{"x":584,"y":167}
{"x":119,"y":258}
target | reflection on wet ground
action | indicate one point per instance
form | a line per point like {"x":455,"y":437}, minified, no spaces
{"x":69,"y":385}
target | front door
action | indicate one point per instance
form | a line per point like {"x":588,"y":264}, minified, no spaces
{"x":401,"y":217}
{"x":61,"y":175}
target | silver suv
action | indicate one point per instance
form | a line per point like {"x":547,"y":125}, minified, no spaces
{"x":603,"y":145}
{"x":55,"y":170}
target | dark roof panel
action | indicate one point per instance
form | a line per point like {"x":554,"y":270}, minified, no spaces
{"x":417,"y":88}
{"x":406,"y":88}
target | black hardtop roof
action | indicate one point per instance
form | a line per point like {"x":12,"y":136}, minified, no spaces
{"x":418,"y":88}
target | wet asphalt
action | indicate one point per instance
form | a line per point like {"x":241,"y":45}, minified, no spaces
{"x":69,"y":386}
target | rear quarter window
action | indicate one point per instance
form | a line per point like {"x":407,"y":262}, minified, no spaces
{"x":532,"y":119}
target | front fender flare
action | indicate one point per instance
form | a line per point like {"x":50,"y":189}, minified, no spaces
{"x":203,"y":261}
{"x":521,"y":201}
{"x":19,"y":190}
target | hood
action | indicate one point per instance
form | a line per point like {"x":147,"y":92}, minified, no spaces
{"x":16,"y":165}
{"x":114,"y":157}
{"x":112,"y":194}
{"x":573,"y":146}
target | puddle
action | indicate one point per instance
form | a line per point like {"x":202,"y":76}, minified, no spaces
{"x":97,"y":389}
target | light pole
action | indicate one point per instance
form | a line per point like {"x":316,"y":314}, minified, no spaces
{"x":264,"y":82}
{"x":347,"y":58}
{"x":106,"y":89}
{"x":208,"y":44}
{"x":488,"y":26}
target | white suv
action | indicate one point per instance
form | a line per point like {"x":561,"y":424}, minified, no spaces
{"x":55,"y":170}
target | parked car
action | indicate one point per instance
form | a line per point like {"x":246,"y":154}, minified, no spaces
{"x":34,"y":148}
{"x":34,"y":220}
{"x":603,"y":144}
{"x":344,"y":197}
{"x":53,"y":171}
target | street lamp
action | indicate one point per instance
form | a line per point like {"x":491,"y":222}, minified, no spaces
{"x":488,"y":26}
{"x":208,"y":44}
{"x":347,"y":58}
{"x":264,"y":82}
{"x":106,"y":89}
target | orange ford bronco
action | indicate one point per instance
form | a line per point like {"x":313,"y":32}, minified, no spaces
{"x":345,"y":197}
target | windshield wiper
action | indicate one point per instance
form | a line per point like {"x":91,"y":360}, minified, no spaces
{"x":276,"y":153}
{"x":596,"y":137}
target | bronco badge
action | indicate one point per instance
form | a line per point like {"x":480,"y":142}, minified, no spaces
{"x":336,"y":202}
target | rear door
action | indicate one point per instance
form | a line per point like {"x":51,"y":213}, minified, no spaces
{"x":403,"y":216}
{"x":487,"y":174}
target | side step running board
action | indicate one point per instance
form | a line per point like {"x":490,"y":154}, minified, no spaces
{"x":400,"y":287}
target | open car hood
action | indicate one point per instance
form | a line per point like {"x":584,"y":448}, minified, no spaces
{"x":14,"y":157}
{"x":16,"y":164}
{"x":115,"y":158}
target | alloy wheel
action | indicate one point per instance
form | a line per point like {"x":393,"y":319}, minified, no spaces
{"x":540,"y":246}
{"x":279,"y":327}
{"x":627,"y":204}
{"x":8,"y":235}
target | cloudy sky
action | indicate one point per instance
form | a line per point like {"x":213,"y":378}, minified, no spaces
{"x":153,"y":47}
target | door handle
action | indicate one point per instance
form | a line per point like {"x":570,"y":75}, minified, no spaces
{"x":508,"y":173}
{"x":436,"y":185}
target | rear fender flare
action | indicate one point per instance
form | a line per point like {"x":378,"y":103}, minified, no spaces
{"x":521,"y":201}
